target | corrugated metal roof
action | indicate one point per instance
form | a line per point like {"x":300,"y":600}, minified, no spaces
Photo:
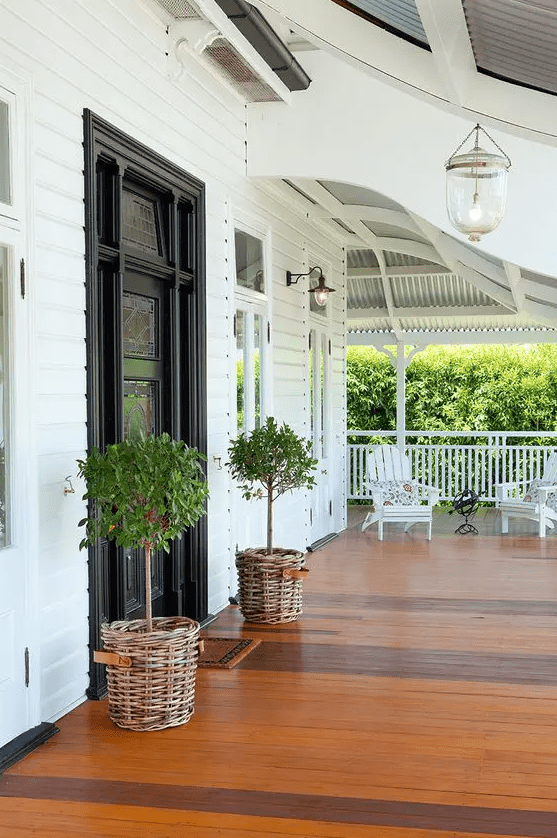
{"x":423,"y":291}
{"x":400,"y":16}
{"x":430,"y":290}
{"x":361,"y":259}
{"x":516,"y":40}
{"x":365,"y":292}
{"x":400,"y":260}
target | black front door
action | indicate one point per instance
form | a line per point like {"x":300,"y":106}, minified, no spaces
{"x":146,"y":352}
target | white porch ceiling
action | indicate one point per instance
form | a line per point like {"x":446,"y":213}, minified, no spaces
{"x":407,"y":281}
{"x":406,"y":278}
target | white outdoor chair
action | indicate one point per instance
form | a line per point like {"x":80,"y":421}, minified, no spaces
{"x":538,"y":504}
{"x":396,"y":496}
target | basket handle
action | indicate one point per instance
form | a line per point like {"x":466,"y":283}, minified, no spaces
{"x":112,"y":659}
{"x":295,"y":574}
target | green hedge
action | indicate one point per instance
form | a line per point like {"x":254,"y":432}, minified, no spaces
{"x":483,"y":388}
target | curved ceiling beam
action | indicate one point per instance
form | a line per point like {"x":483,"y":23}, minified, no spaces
{"x":409,"y":248}
{"x":397,"y":218}
{"x":452,"y":255}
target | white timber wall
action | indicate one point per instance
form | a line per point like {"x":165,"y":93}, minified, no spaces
{"x":111,"y":57}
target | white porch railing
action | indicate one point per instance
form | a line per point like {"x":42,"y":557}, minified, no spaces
{"x":452,"y":467}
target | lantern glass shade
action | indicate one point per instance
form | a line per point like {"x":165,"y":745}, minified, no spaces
{"x":321,"y":296}
{"x":476,"y":191}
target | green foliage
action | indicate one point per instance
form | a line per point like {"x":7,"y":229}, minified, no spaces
{"x":145,"y":491}
{"x":370,"y":390}
{"x":481,"y":388}
{"x":270,"y":461}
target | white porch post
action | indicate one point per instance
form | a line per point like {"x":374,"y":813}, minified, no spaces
{"x":400,"y":362}
{"x":400,"y":396}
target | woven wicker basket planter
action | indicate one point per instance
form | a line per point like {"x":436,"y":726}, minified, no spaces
{"x":153,"y":687}
{"x":270,"y":587}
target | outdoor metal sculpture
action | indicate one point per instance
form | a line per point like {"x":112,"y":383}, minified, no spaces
{"x":467,"y":504}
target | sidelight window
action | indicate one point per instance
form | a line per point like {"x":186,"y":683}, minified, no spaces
{"x":4,"y":407}
{"x":251,"y":330}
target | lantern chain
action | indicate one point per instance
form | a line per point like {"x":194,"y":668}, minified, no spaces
{"x":478,"y":128}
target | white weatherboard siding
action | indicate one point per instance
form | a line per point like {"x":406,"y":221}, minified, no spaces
{"x":110,"y":57}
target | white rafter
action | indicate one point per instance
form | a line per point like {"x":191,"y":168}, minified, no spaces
{"x":515,"y":281}
{"x":447,"y":34}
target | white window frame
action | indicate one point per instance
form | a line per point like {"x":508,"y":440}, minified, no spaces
{"x":10,"y":214}
{"x":16,"y":234}
{"x":252,"y":303}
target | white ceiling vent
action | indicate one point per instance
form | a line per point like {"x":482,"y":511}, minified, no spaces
{"x":203,"y":30}
{"x":222,"y":55}
{"x":180,"y":9}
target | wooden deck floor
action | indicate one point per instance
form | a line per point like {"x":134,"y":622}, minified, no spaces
{"x":417,"y":696}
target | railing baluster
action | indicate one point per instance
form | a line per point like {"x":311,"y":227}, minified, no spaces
{"x":451,"y":467}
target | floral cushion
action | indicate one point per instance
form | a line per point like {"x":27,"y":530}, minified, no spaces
{"x":534,"y":496}
{"x":398,"y":493}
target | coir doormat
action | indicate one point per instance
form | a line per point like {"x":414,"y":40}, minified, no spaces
{"x":225,"y":652}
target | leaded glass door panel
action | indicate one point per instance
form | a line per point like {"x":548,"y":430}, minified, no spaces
{"x":144,"y":343}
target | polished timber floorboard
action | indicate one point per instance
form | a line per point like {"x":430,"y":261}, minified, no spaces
{"x":417,"y":696}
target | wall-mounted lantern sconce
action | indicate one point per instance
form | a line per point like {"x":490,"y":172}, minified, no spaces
{"x":320,"y":291}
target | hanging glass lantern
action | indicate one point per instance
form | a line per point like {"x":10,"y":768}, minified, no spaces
{"x":476,"y":188}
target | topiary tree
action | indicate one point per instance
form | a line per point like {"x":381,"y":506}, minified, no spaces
{"x":144,"y":491}
{"x":270,"y":461}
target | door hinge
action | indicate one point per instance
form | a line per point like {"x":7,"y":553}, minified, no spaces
{"x":26,"y":666}
{"x":268,"y":332}
{"x":22,"y":278}
{"x":234,"y":326}
{"x":330,"y":507}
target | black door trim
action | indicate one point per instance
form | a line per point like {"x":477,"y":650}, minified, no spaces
{"x":106,"y":145}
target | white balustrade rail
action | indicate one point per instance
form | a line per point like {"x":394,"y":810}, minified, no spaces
{"x":453,"y":467}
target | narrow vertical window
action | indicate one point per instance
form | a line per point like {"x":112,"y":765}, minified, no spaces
{"x":257,"y":367}
{"x":252,"y":326}
{"x":4,"y":407}
{"x":5,"y":173}
{"x":240,"y":369}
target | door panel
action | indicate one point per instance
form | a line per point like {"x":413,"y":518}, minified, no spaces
{"x":14,"y":700}
{"x":320,"y":408}
{"x":146,"y":352}
{"x":145,"y":364}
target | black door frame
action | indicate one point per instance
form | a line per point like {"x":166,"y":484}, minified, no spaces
{"x":107,"y":147}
